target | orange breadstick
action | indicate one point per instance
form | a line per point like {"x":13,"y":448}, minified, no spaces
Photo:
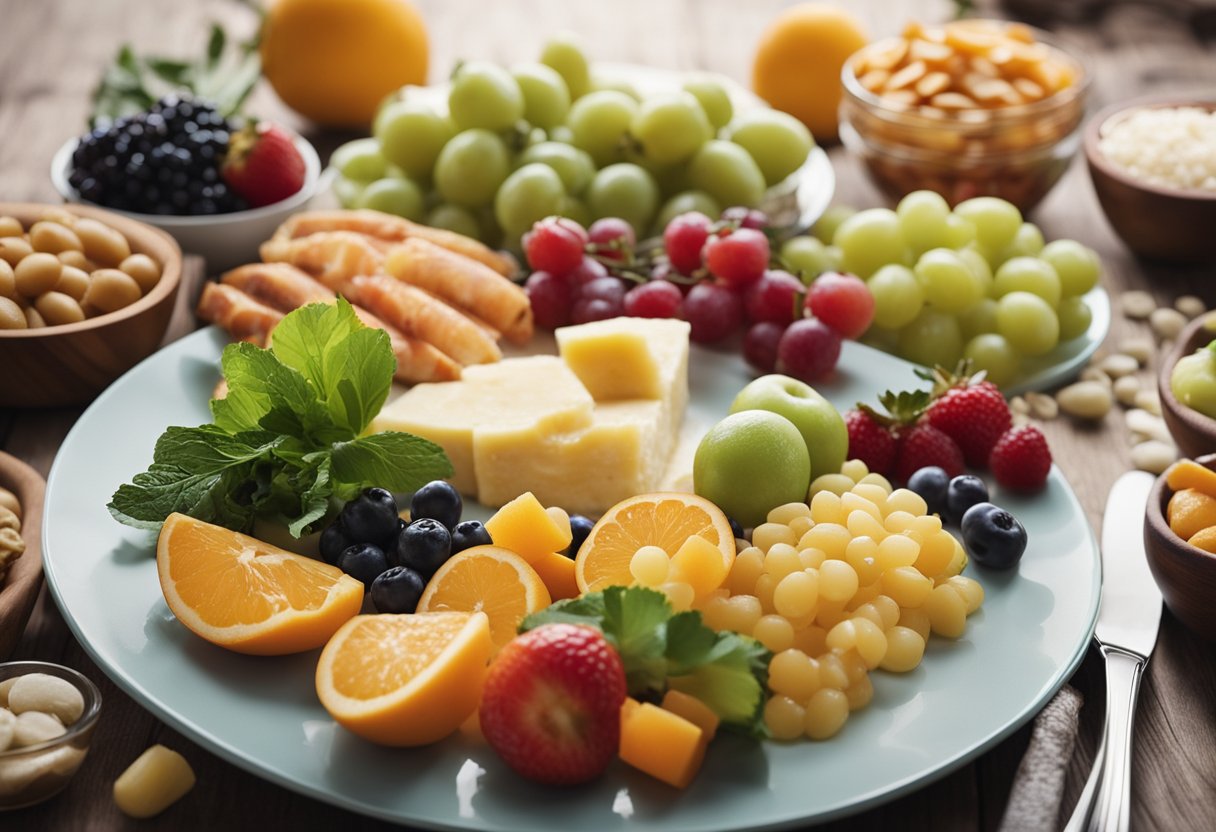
{"x":239,"y":315}
{"x":332,"y":257}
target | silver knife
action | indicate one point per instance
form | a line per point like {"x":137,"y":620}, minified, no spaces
{"x":1126,"y":632}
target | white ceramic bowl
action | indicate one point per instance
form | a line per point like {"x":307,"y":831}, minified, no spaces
{"x":224,"y":240}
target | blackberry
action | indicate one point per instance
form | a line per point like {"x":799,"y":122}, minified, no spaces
{"x":165,"y":160}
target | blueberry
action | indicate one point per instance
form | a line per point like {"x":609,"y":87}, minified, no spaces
{"x":423,"y":546}
{"x":363,"y":561}
{"x":437,"y":500}
{"x":371,"y":517}
{"x":736,"y":528}
{"x":333,"y":542}
{"x":993,"y":536}
{"x":397,"y":590}
{"x":468,"y":534}
{"x":580,"y":527}
{"x":931,"y":484}
{"x":963,"y":492}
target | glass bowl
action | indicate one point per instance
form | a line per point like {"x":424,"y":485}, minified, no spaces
{"x":34,"y":773}
{"x":1013,"y":152}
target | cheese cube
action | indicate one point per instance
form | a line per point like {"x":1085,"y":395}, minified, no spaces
{"x":623,"y":452}
{"x":539,"y":394}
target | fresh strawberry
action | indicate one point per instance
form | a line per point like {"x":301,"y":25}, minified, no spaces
{"x":972,"y":413}
{"x":263,"y":165}
{"x":551,"y":707}
{"x":924,"y":445}
{"x":870,"y":440}
{"x":1020,"y":460}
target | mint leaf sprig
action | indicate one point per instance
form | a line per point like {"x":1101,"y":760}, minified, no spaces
{"x":662,"y":649}
{"x":288,"y":439}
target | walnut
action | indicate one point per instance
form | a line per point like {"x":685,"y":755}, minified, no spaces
{"x":9,"y":519}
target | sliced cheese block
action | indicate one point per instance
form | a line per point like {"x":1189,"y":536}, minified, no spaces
{"x":623,"y":452}
{"x":629,"y":358}
{"x":538,"y":395}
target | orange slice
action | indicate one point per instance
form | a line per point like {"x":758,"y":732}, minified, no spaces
{"x":249,"y":596}
{"x":663,"y":520}
{"x":487,"y":579}
{"x":405,"y":679}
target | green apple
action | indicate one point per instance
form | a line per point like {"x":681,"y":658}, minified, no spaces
{"x":750,"y":463}
{"x":821,"y":425}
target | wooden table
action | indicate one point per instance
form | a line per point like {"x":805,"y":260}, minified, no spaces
{"x":51,"y":54}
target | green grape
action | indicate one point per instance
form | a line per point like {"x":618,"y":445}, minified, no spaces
{"x":777,"y":141}
{"x":411,"y":135}
{"x":348,"y":191}
{"x":600,"y":124}
{"x":898,"y":296}
{"x":825,"y":227}
{"x":1075,"y":317}
{"x":932,"y":338}
{"x":1191,"y":381}
{"x":529,"y":194}
{"x":880,"y":338}
{"x":624,"y":190}
{"x":394,"y":196}
{"x":564,"y":54}
{"x":561,"y":133}
{"x":485,"y":95}
{"x":922,"y":217}
{"x":996,"y":221}
{"x":1028,"y":323}
{"x":471,"y":167}
{"x":979,"y":268}
{"x":601,"y":83}
{"x":959,"y":232}
{"x":575,"y":209}
{"x":546,"y":98}
{"x":454,"y":218}
{"x":808,"y":257}
{"x":360,"y":160}
{"x":670,"y":127}
{"x":1076,"y":265}
{"x":979,"y":319}
{"x":992,"y":354}
{"x":950,"y":284}
{"x":1028,"y":242}
{"x":574,"y":166}
{"x":1027,"y":274}
{"x":682,"y":203}
{"x":491,"y":232}
{"x":869,"y":240}
{"x":714,"y":99}
{"x":728,"y":173}
{"x":671,"y":179}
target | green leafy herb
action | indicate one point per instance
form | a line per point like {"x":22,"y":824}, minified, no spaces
{"x":224,"y":75}
{"x":288,"y":438}
{"x":662,"y":649}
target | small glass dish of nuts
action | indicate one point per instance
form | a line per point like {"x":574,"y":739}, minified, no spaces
{"x":969,"y":108}
{"x":47,"y":716}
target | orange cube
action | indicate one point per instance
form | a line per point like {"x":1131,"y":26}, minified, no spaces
{"x":692,"y":709}
{"x":661,"y":743}
{"x":524,"y":527}
{"x":557,"y":571}
{"x":700,"y":564}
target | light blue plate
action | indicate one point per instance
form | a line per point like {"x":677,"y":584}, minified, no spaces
{"x":263,"y":715}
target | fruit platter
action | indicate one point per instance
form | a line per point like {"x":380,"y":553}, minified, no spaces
{"x":546,"y":438}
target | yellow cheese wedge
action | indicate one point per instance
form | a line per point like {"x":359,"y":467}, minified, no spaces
{"x":538,"y":394}
{"x":629,"y":358}
{"x":661,"y":743}
{"x":623,"y":452}
{"x":527,"y":529}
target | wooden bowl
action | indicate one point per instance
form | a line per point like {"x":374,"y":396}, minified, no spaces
{"x":1193,"y":432}
{"x":1155,"y":221}
{"x":19,"y":590}
{"x":1186,"y":575}
{"x":70,"y":364}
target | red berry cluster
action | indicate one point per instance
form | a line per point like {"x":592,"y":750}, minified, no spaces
{"x":715,"y":274}
{"x":963,"y":421}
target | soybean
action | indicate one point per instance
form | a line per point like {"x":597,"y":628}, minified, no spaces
{"x":52,"y":237}
{"x":57,"y":309}
{"x":144,"y":269}
{"x":111,"y":290}
{"x":14,"y":249}
{"x":36,"y":274}
{"x":101,"y":243}
{"x":11,"y":316}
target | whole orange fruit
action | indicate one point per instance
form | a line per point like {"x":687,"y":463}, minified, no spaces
{"x":334,"y":61}
{"x":798,"y":62}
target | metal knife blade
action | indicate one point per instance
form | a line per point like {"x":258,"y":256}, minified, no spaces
{"x":1130,"y":612}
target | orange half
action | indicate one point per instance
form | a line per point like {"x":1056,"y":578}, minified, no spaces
{"x":248,"y":596}
{"x":665,"y":520}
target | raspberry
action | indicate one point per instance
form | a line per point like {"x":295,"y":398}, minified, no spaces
{"x":974,"y":416}
{"x":1021,"y":460}
{"x":924,"y":446}
{"x":870,"y":441}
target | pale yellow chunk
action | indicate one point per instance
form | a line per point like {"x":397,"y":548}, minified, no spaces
{"x":537,"y":395}
{"x":627,"y":358}
{"x":157,"y":779}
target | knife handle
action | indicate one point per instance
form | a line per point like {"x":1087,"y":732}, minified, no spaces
{"x":1123,"y":672}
